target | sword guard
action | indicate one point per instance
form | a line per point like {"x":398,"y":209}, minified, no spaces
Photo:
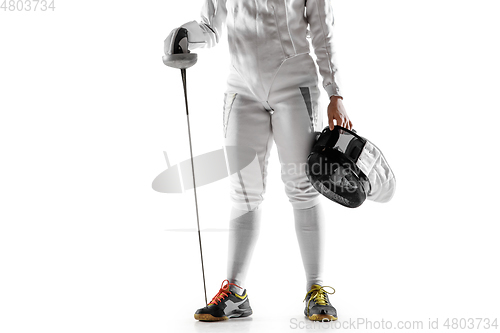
{"x":180,"y":60}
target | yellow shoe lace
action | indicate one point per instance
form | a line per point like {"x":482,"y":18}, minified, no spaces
{"x":318,"y":295}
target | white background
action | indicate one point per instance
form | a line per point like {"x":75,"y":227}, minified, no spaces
{"x":87,"y":109}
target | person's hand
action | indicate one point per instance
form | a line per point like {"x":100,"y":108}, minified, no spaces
{"x":176,"y":42}
{"x":337,"y":111}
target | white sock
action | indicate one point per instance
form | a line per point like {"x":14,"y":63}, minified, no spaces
{"x":243,"y":233}
{"x":309,"y":227}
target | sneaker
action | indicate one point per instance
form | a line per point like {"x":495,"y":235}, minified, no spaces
{"x":226,"y":304}
{"x":318,"y":307}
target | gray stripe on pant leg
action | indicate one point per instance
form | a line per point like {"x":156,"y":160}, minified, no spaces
{"x":306,"y":94}
{"x":244,"y":191}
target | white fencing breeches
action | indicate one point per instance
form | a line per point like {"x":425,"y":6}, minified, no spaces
{"x":287,"y":113}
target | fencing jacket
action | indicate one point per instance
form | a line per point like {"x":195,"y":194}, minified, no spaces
{"x":263,"y":34}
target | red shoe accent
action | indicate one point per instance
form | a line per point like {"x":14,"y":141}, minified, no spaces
{"x":223,"y":292}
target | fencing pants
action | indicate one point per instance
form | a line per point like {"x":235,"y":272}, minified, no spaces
{"x":288,"y":115}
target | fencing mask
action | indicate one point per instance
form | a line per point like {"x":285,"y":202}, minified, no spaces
{"x":347,"y":168}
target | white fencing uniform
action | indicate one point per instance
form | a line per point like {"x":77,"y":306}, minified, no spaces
{"x":272,"y":88}
{"x":272,"y":95}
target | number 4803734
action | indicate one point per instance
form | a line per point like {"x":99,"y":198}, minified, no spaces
{"x":27,"y":5}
